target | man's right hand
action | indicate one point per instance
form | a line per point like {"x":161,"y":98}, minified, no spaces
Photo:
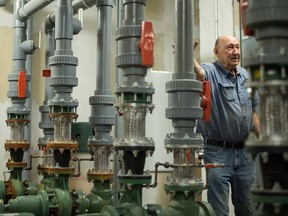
{"x":200,"y":72}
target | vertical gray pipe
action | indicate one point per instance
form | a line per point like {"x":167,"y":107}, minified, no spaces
{"x":184,"y":38}
{"x":184,"y":93}
{"x":134,"y":100}
{"x":45,"y":124}
{"x":102,"y":110}
{"x":104,"y":39}
{"x":18,"y":110}
{"x":62,"y":107}
{"x":27,"y":132}
{"x":119,"y":124}
{"x":63,"y":64}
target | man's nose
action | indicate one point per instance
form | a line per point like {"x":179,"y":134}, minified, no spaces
{"x":236,"y":50}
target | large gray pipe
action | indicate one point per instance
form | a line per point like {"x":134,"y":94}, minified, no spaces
{"x":183,"y":37}
{"x":31,"y":8}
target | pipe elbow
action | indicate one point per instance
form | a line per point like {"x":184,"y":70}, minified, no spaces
{"x":49,"y":22}
{"x":3,"y":3}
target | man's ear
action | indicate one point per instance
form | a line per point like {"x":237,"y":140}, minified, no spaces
{"x":216,"y":51}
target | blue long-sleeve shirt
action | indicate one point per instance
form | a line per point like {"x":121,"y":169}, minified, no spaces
{"x":231,"y":107}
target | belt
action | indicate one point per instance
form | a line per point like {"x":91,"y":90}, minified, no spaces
{"x":224,"y":144}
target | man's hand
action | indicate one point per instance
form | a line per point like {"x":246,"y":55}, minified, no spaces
{"x":196,"y":44}
{"x":200,"y":73}
{"x":256,"y":124}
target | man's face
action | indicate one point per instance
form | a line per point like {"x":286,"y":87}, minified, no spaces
{"x":228,"y":52}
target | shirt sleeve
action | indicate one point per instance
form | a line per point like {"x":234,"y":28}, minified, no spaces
{"x":255,"y":100}
{"x":207,"y":68}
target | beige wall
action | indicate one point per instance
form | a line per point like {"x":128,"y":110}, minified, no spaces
{"x":6,"y":34}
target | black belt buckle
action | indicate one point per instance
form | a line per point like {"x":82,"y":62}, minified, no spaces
{"x":234,"y":145}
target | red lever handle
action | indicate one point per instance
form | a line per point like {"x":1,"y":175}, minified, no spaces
{"x":188,"y":155}
{"x":21,"y":84}
{"x":206,"y":100}
{"x":146,"y":44}
{"x":246,"y":31}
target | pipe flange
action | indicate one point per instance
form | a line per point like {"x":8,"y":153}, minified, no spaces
{"x":65,"y":115}
{"x":16,"y":145}
{"x":135,"y":88}
{"x":102,"y":120}
{"x":12,"y":164}
{"x":101,"y":99}
{"x":55,"y":170}
{"x":96,"y":145}
{"x":63,"y":81}
{"x":54,"y":145}
{"x":134,"y":179}
{"x":18,"y":113}
{"x":63,"y":59}
{"x":192,"y":113}
{"x":17,"y":121}
{"x":184,"y":85}
{"x":102,"y":176}
{"x":193,"y":186}
{"x":134,"y":144}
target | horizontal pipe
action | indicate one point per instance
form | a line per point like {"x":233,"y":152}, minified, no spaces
{"x":76,"y":4}
{"x":84,"y":4}
{"x":31,"y":8}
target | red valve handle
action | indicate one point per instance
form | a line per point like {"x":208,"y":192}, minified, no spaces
{"x":206,"y":100}
{"x":146,"y":44}
{"x":246,"y":31}
{"x":188,"y":155}
{"x":21,"y":84}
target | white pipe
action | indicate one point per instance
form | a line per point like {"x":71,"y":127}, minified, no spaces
{"x":31,"y":8}
{"x":233,"y":18}
{"x":216,"y":18}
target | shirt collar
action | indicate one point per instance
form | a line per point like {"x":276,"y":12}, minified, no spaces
{"x":225,"y":71}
